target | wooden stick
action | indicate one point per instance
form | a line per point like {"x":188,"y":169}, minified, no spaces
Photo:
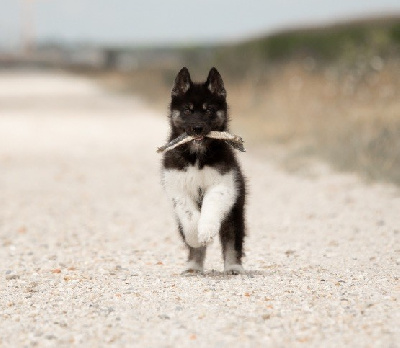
{"x":234,"y":140}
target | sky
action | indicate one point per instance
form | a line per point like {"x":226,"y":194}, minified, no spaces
{"x":165,"y":22}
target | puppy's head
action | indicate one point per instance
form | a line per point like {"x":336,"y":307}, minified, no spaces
{"x":198,"y":108}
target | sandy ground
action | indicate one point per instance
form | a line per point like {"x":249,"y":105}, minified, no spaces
{"x":90,"y":257}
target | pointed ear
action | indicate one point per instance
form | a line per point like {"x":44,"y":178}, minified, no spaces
{"x":215,"y":84}
{"x":182,"y":83}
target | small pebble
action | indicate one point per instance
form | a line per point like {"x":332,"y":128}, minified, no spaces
{"x":50,"y":337}
{"x":12,"y":276}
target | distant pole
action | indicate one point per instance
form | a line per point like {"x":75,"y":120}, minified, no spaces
{"x":27,"y":27}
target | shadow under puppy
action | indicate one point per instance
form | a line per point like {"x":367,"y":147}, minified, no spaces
{"x":202,"y":177}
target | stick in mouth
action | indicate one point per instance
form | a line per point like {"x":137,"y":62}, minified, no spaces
{"x":234,"y":140}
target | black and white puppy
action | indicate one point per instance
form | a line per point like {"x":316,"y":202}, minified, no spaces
{"x":203,"y":178}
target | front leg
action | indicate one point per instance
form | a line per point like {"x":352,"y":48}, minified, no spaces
{"x":217,"y":202}
{"x":188,"y":216}
{"x":185,"y":206}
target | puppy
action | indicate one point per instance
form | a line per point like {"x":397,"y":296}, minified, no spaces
{"x":203,"y":178}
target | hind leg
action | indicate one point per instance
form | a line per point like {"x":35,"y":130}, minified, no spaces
{"x":232,"y":235}
{"x":232,"y":259}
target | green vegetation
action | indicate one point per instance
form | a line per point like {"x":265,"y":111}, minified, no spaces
{"x":331,"y":43}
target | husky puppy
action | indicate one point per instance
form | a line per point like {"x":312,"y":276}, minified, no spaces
{"x":203,"y":178}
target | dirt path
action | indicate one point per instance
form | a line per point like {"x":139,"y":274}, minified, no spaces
{"x":89,"y":255}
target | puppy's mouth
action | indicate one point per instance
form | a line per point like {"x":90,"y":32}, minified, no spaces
{"x":198,"y":138}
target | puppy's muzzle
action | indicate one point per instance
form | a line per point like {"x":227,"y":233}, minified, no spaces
{"x":197,"y":130}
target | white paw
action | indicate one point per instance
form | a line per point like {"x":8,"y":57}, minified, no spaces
{"x":192,"y":240}
{"x":207,"y":232}
{"x":234,"y":269}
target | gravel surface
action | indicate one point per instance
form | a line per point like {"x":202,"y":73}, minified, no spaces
{"x":90,"y":256}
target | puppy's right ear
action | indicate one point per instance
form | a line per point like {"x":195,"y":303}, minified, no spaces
{"x":182,"y":83}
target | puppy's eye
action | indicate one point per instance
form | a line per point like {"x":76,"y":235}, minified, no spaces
{"x":210,"y":109}
{"x":188,"y":109}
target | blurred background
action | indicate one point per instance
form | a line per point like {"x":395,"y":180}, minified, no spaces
{"x":318,"y":78}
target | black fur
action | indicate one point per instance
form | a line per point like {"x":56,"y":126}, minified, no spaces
{"x":198,"y":105}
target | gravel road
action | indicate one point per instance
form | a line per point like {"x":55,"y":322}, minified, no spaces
{"x":90,"y":256}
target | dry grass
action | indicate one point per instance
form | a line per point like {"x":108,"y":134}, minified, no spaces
{"x":351,"y":118}
{"x":348,"y":116}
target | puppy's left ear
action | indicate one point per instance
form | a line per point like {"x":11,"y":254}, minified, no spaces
{"x":215,"y":84}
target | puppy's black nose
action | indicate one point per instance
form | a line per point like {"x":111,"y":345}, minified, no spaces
{"x":197,"y":129}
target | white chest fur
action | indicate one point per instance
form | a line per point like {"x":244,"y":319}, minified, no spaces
{"x":193,"y":178}
{"x":219,"y":195}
